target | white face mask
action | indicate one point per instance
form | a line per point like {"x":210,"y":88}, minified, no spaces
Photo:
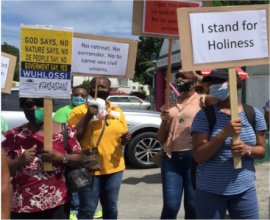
{"x":220,"y":91}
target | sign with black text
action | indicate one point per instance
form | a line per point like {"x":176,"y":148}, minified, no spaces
{"x":158,"y":18}
{"x":228,"y":36}
{"x":225,"y":36}
{"x":8,"y":64}
{"x":45,"y":62}
{"x":100,"y":55}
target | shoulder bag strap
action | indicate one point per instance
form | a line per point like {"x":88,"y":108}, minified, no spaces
{"x":211,"y":116}
{"x":65,"y":136}
{"x":250,"y":114}
{"x":101,"y":134}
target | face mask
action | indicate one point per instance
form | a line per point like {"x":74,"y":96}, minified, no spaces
{"x":100,"y":94}
{"x":35,"y":116}
{"x":220,"y":91}
{"x":78,"y":100}
{"x":183,"y":86}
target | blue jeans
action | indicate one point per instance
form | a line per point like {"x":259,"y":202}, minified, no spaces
{"x":176,"y":178}
{"x":240,"y":206}
{"x":103,"y":187}
{"x":75,"y":203}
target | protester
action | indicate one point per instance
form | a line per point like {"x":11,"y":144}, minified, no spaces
{"x":5,"y":184}
{"x":5,"y":176}
{"x":174,"y":134}
{"x":39,"y":194}
{"x":219,"y":186}
{"x":4,"y":126}
{"x":267,"y":112}
{"x":78,"y":97}
{"x":107,"y":181}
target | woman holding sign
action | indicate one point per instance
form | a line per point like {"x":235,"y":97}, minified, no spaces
{"x":219,"y":186}
{"x":174,"y":134}
{"x":39,"y":194}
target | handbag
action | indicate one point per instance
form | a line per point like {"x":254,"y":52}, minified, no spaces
{"x":157,"y":158}
{"x":91,"y":158}
{"x":76,"y":177}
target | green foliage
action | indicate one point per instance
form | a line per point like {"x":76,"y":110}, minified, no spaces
{"x":6,"y":48}
{"x":228,"y":3}
{"x":148,"y":49}
{"x":86,"y":85}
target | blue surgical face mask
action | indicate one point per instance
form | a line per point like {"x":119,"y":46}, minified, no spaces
{"x":78,"y":100}
{"x":220,"y":91}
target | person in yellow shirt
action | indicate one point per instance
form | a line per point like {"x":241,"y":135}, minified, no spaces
{"x":107,"y":181}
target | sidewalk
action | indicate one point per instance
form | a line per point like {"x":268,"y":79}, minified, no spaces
{"x":263,"y":190}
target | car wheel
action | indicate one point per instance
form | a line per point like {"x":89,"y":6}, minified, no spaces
{"x":142,"y":148}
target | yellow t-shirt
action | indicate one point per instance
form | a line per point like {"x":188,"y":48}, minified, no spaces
{"x":110,"y":148}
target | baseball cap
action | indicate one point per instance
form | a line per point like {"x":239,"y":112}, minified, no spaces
{"x":219,"y":75}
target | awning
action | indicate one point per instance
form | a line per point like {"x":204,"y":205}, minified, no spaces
{"x":243,"y":75}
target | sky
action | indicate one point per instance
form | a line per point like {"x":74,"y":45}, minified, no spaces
{"x":99,"y":17}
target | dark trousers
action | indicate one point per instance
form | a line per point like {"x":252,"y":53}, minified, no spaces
{"x":59,"y":212}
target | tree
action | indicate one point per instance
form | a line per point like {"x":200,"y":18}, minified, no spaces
{"x":86,"y":84}
{"x":148,"y":49}
{"x":15,"y":52}
{"x":227,"y":3}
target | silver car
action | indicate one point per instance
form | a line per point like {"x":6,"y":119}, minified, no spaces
{"x":143,"y":125}
{"x":129,"y":102}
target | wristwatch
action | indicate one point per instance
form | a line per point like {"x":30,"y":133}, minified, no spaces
{"x":65,"y":160}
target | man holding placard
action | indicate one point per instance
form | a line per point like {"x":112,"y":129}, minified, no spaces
{"x":107,"y":132}
{"x":219,"y":186}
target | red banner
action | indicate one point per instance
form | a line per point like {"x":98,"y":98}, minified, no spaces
{"x":160,"y":16}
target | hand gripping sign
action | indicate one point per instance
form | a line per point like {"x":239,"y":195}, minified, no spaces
{"x":46,"y":70}
{"x":222,"y":37}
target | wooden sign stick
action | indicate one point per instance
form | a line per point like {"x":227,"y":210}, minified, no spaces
{"x":96,"y":89}
{"x":234,"y":109}
{"x":48,"y":130}
{"x":168,"y":76}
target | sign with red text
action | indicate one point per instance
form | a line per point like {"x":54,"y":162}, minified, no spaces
{"x":106,"y":56}
{"x":219,"y":37}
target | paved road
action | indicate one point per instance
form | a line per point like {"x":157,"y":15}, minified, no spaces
{"x":140,"y":196}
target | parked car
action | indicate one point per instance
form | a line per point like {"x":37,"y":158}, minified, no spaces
{"x":129,"y":102}
{"x":143,"y":125}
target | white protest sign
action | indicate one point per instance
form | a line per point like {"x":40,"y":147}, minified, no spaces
{"x":4,"y":70}
{"x":8,"y":64}
{"x":99,"y":57}
{"x":224,"y":36}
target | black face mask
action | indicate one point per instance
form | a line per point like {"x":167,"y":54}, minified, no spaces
{"x":31,"y":116}
{"x":100,"y":94}
{"x":183,"y":86}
